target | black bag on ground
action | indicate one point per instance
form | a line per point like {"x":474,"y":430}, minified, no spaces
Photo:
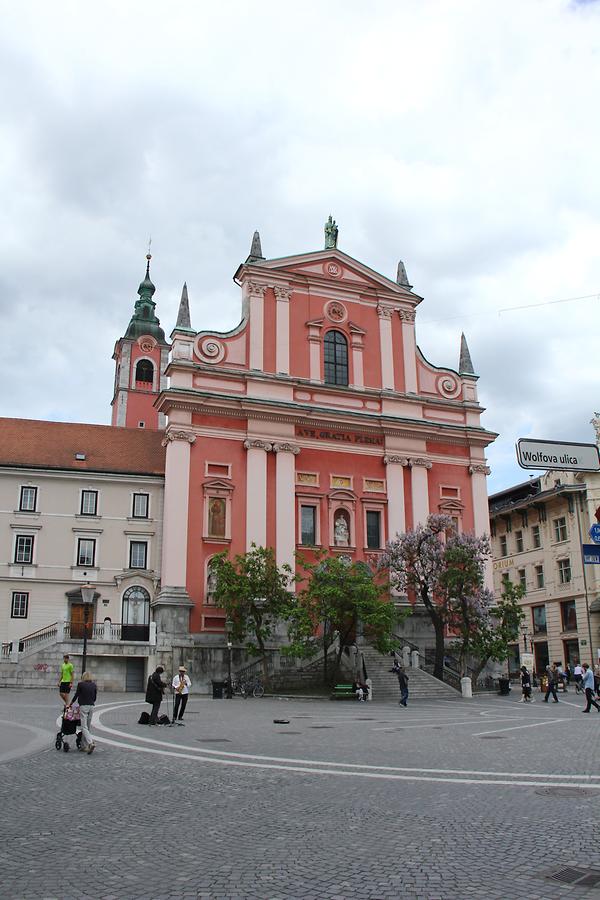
{"x":164,"y":720}
{"x":144,"y":719}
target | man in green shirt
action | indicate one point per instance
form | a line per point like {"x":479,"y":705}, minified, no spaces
{"x":66,"y":678}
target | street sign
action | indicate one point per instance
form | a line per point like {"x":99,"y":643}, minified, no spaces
{"x":591,"y":554}
{"x":564,"y":455}
{"x":595,"y":533}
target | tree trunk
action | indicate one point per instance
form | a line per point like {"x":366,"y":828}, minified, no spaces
{"x":477,"y":672}
{"x":440,"y":648}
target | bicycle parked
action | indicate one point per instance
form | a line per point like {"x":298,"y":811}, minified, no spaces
{"x":247,"y":687}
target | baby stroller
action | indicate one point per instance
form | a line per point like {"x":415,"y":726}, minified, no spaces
{"x":69,"y":723}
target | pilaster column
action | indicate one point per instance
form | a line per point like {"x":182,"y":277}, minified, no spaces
{"x":282,"y":325}
{"x":395,"y":494}
{"x":356,"y":340}
{"x":256,"y":301}
{"x":420,"y":489}
{"x":256,"y":492}
{"x":481,"y":511}
{"x":285,"y":502}
{"x":409,"y":347}
{"x":314,"y":347}
{"x":172,"y":605}
{"x":386,"y":347}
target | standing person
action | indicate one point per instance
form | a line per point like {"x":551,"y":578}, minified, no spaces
{"x":552,"y":676}
{"x":154,"y":693}
{"x":86,"y":696}
{"x":526,"y":686}
{"x":181,"y":686}
{"x":66,"y":678}
{"x":578,"y":676}
{"x":403,"y":685}
{"x":588,"y":686}
{"x":597,"y":678}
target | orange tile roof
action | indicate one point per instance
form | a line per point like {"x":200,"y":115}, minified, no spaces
{"x":54,"y":445}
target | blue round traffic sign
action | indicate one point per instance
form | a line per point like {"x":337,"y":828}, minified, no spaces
{"x":595,"y":533}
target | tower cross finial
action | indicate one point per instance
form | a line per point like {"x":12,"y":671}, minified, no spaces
{"x":148,"y":256}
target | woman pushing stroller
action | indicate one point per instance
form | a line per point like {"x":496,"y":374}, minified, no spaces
{"x":85,"y":695}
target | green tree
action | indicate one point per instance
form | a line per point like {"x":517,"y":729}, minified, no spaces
{"x":497,"y":629}
{"x":338,"y":595}
{"x":255,"y":594}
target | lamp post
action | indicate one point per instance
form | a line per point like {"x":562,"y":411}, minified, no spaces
{"x":87,"y":595}
{"x":229,"y":626}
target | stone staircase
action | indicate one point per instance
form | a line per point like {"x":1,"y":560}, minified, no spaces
{"x":421,"y":685}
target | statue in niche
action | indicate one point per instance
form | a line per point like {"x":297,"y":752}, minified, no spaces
{"x":331,"y":234}
{"x":216,"y":518}
{"x":341,"y":531}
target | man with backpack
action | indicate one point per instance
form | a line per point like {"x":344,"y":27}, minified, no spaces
{"x":154,"y":693}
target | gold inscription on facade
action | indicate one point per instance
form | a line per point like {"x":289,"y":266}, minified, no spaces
{"x":342,"y":437}
{"x":372,"y":484}
{"x":307,"y":478}
{"x":341,"y":481}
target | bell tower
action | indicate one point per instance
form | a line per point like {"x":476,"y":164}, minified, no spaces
{"x":141,"y":358}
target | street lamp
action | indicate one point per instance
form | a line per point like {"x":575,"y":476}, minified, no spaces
{"x":88,"y":592}
{"x":229,"y":626}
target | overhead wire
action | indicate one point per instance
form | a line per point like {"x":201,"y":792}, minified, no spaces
{"x":505,"y":309}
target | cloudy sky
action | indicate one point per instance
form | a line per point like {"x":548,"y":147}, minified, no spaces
{"x":462,"y":137}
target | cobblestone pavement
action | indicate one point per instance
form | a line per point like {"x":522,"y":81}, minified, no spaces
{"x":484,"y":798}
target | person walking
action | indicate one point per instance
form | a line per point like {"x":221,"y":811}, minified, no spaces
{"x":154,"y":693}
{"x":85,"y":695}
{"x":66,"y":679}
{"x":526,"y":686}
{"x":588,"y":686}
{"x":403,"y":685}
{"x":578,"y":677}
{"x":552,"y":676}
{"x":181,"y":685}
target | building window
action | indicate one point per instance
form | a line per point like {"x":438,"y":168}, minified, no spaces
{"x":522,"y":578}
{"x":568,"y":615}
{"x":519,"y":541}
{"x":564,"y":571}
{"x":20,"y":605}
{"x":505,"y":581}
{"x":539,"y":619}
{"x":28,"y":499}
{"x":335,"y":347}
{"x":560,"y":529}
{"x":373,"y":529}
{"x":211,"y":584}
{"x":136,"y":606}
{"x":503,"y":545}
{"x":86,"y":552}
{"x":89,"y":503}
{"x":216,"y":517}
{"x":140,"y":506}
{"x":308,"y":525}
{"x":24,"y":549}
{"x":536,"y":536}
{"x":539,"y":576}
{"x":138,"y":551}
{"x":144,"y":372}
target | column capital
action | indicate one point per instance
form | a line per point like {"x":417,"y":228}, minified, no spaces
{"x":479,"y":469}
{"x":384,"y":312}
{"x":282,"y":292}
{"x":286,"y":447}
{"x":255,"y":444}
{"x":178,"y":434}
{"x":420,"y":461}
{"x":407,"y":315}
{"x":390,"y":459}
{"x":256,"y":289}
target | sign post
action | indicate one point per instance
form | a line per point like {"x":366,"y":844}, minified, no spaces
{"x":566,"y":456}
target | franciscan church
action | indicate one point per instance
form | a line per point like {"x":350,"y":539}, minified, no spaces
{"x":315,"y":422}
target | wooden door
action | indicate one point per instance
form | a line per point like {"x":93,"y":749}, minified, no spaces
{"x":78,"y":621}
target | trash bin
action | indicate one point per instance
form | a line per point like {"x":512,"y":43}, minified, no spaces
{"x":503,"y":687}
{"x":218,"y":687}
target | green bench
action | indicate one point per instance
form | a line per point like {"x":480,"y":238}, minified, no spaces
{"x":343,"y":692}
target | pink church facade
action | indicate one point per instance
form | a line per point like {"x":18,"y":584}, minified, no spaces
{"x":316,"y":422}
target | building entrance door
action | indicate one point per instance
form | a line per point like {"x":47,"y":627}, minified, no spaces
{"x":540,"y":650}
{"x":135,"y":675}
{"x":571,"y":652}
{"x":78,"y":620}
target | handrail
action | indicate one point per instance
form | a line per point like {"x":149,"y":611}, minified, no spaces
{"x":407,"y":643}
{"x":41,"y":632}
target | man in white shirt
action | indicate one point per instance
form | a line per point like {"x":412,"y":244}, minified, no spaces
{"x":181,"y":686}
{"x":578,"y":677}
{"x":588,"y":686}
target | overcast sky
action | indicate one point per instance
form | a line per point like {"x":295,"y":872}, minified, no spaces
{"x":462,"y":137}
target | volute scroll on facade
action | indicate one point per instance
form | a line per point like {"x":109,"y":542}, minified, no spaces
{"x":479,"y":469}
{"x":179,"y":435}
{"x":256,"y":444}
{"x":286,"y":447}
{"x":395,"y":460}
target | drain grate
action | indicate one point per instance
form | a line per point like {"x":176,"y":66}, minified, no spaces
{"x":580,"y":877}
{"x":565,"y":792}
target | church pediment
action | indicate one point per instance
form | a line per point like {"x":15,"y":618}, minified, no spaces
{"x":331,"y":266}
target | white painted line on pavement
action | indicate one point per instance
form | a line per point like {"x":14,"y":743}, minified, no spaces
{"x":517,"y":727}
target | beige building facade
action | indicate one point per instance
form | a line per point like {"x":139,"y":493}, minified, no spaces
{"x":538,"y":529}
